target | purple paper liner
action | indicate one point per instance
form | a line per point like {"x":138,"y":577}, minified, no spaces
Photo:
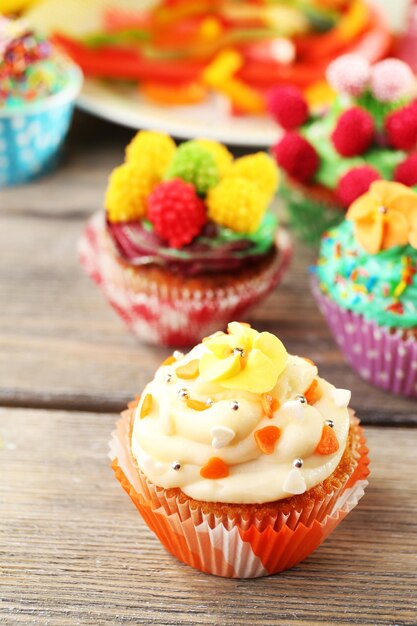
{"x":379,"y":355}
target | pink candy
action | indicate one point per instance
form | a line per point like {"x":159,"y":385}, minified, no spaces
{"x":391,"y":80}
{"x":349,"y":74}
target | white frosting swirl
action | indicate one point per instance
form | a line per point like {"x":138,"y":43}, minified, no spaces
{"x":173,"y":433}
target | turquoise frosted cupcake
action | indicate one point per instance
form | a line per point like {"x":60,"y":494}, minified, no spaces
{"x":367,"y":286}
{"x":38,"y":88}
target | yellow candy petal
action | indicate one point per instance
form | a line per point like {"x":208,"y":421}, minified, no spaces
{"x":273,"y":348}
{"x":258,"y":376}
{"x":220,"y":346}
{"x":242,"y":334}
{"x":386,"y":192}
{"x":213,"y":369}
{"x":369,"y":233}
{"x":362,"y":208}
{"x":407,"y":205}
{"x":396,"y":230}
{"x":413,"y":238}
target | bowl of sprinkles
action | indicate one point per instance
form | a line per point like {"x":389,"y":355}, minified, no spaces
{"x":366,"y":286}
{"x":38,"y":88}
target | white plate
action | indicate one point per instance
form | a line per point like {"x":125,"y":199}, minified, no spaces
{"x":211,"y":119}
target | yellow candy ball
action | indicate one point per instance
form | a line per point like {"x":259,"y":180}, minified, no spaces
{"x":219,"y":152}
{"x":259,"y":168}
{"x":129,"y":187}
{"x":158,"y":148}
{"x":237,"y":203}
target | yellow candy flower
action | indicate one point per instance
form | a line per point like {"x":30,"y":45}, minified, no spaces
{"x":243,"y":359}
{"x":157,"y":148}
{"x":129,"y":187}
{"x":237,"y":203}
{"x":220,"y":153}
{"x":385,"y":216}
{"x":259,"y":168}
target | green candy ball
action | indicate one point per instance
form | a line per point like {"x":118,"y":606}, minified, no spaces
{"x":194,"y":164}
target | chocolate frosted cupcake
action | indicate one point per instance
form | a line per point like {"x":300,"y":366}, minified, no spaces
{"x":239,"y":457}
{"x":187,"y":241}
{"x":366,"y":286}
{"x":330,"y":158}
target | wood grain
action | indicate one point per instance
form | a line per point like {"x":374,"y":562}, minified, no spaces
{"x":73,"y":549}
{"x":61,"y":346}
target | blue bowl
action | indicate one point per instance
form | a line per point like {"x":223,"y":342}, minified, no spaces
{"x":31,"y":138}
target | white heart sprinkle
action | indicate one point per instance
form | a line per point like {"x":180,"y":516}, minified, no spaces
{"x":341,"y":397}
{"x":295,"y":483}
{"x":222,"y":436}
{"x":294,"y":408}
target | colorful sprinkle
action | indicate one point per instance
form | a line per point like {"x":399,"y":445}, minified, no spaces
{"x":313,"y":394}
{"x":146,"y":407}
{"x":169,"y":360}
{"x":266,"y":438}
{"x":215,"y":468}
{"x":269,"y":405}
{"x":197,"y":405}
{"x":189,"y":370}
{"x":328,"y":443}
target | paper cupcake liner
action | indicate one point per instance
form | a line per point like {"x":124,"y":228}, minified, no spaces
{"x":379,"y":355}
{"x":173,"y":314}
{"x":236,"y":547}
{"x":31,"y":138}
{"x":309,"y":215}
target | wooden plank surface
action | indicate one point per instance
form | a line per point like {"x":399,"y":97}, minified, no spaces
{"x":73,"y":549}
{"x":60,"y":344}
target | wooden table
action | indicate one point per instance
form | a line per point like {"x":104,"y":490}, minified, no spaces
{"x":72,"y":548}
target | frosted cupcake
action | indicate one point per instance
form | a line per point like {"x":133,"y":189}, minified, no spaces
{"x":187,"y":241}
{"x":239,"y":457}
{"x":331,"y":158}
{"x":38,"y":88}
{"x":366,"y":286}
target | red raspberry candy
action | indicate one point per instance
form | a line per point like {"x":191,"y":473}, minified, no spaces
{"x":401,"y":127}
{"x":288,"y":106}
{"x":176,"y":212}
{"x":406,"y":172}
{"x":354,"y":132}
{"x":296,"y":156}
{"x":355,"y":183}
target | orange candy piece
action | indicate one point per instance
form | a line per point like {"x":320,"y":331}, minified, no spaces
{"x":169,"y":360}
{"x":215,"y":468}
{"x":187,"y":93}
{"x":266,"y":438}
{"x":197,"y":405}
{"x":146,"y":407}
{"x":269,"y":404}
{"x":328,"y":443}
{"x":313,"y":394}
{"x":189,"y":370}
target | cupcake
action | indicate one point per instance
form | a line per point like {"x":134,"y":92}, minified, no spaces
{"x":186,"y":242}
{"x":38,"y":88}
{"x":366,"y":286}
{"x":239,"y":457}
{"x":330,"y":158}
